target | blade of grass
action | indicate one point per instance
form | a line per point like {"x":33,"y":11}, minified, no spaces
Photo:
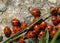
{"x":45,"y":37}
{"x":20,"y":32}
{"x":31,"y":40}
{"x":55,"y":36}
{"x":15,"y":38}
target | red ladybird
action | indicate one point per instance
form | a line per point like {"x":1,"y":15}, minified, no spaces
{"x":40,"y":35}
{"x":21,"y":40}
{"x":43,"y":25}
{"x":58,"y":10}
{"x":16,"y":29}
{"x":36,"y":29}
{"x":30,"y":34}
{"x":7,"y":31}
{"x":49,"y":27}
{"x":52,"y":33}
{"x":58,"y":26}
{"x":35,"y":12}
{"x":23,"y":25}
{"x":15,"y":22}
{"x":54,"y":20}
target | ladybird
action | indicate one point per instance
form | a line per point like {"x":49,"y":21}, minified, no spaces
{"x":15,"y":22}
{"x":7,"y":31}
{"x":16,"y":29}
{"x":23,"y":25}
{"x":49,"y":27}
{"x":36,"y":29}
{"x":58,"y":26}
{"x":21,"y":40}
{"x":52,"y":33}
{"x":43,"y":25}
{"x":30,"y":34}
{"x":40,"y":35}
{"x":54,"y":20}
{"x":58,"y":10}
{"x":35,"y":12}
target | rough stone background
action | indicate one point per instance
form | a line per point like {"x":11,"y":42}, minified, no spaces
{"x":20,"y":9}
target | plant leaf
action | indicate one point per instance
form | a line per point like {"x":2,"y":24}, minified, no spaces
{"x":45,"y":37}
{"x":31,"y":40}
{"x":58,"y":40}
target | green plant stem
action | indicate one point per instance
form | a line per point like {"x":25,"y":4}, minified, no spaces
{"x":15,"y":38}
{"x":55,"y":36}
